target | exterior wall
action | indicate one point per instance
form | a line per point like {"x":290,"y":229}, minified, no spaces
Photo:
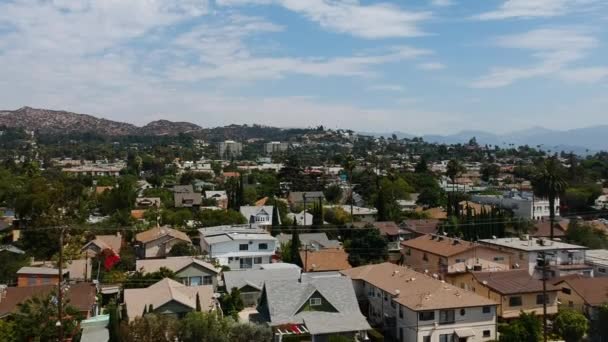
{"x":36,"y":279}
{"x":570,"y":300}
{"x":198,"y":271}
{"x":159,"y":247}
{"x":599,"y":270}
{"x":228,"y":253}
{"x":235,"y":262}
{"x":173,"y":309}
{"x":421,"y":261}
{"x":488,"y":259}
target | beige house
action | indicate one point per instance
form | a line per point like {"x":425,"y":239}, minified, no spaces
{"x":102,"y":242}
{"x":514,"y":291}
{"x":168,"y":297}
{"x":583,"y":294}
{"x":190,"y":270}
{"x":443,"y":256}
{"x":158,"y":241}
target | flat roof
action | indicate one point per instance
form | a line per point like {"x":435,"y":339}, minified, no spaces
{"x":530,"y":245}
{"x":597,"y":257}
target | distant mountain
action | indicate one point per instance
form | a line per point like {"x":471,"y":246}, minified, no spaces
{"x":63,"y":122}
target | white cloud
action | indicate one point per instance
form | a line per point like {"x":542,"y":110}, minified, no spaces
{"x":585,"y":75}
{"x":386,"y":87}
{"x":555,"y":49}
{"x":533,"y":9}
{"x":431,"y":66}
{"x":379,"y":20}
{"x":442,"y":3}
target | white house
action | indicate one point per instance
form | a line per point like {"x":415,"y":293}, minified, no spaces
{"x":524,"y":205}
{"x":563,"y":258}
{"x":416,"y":307}
{"x":238,"y":247}
{"x":258,"y":215}
{"x":598,"y":258}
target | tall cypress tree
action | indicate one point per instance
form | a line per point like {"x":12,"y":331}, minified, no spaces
{"x":295,"y":244}
{"x":198,"y":303}
{"x":276,"y":226}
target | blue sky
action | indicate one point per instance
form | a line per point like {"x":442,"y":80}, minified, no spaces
{"x":418,"y":66}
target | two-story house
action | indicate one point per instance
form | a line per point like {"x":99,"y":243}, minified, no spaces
{"x":191,"y":271}
{"x":158,"y":241}
{"x":251,"y":282}
{"x":414,"y":307}
{"x":562,"y":258}
{"x":443,"y":256}
{"x":583,"y":294}
{"x":514,"y":291}
{"x":258,"y":215}
{"x":238,"y":247}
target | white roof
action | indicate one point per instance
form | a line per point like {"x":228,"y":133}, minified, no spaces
{"x":597,"y":257}
{"x":530,"y":245}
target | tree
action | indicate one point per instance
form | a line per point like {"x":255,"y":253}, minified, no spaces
{"x":7,"y":331}
{"x":295,"y":244}
{"x":527,"y":328}
{"x":276,"y":225}
{"x":198,"y":303}
{"x":366,"y":247}
{"x":232,"y":303}
{"x":429,"y":197}
{"x":599,"y":328}
{"x":212,"y":218}
{"x":549,"y":182}
{"x":203,"y":326}
{"x":246,"y":332}
{"x":489,"y":172}
{"x":571,"y":325}
{"x":150,"y":328}
{"x":333,"y":193}
{"x":114,"y":324}
{"x":422,"y":165}
{"x":182,"y":249}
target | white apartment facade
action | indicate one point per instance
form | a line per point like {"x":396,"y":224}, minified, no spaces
{"x":229,"y":149}
{"x":238,"y":247}
{"x":523,"y":205}
{"x":275,"y":146}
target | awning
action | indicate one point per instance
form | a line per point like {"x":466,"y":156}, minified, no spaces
{"x":464,"y":332}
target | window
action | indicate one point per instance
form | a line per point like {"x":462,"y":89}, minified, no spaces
{"x":400,"y":311}
{"x":601,"y":270}
{"x":315,"y":301}
{"x":401,"y":334}
{"x":446,"y":316}
{"x":425,"y":257}
{"x":207,"y":280}
{"x":408,"y":252}
{"x":257,"y":260}
{"x":243,"y":247}
{"x":385,"y":297}
{"x":446,"y":337}
{"x":540,"y":297}
{"x":499,"y":258}
{"x":196,"y":281}
{"x":31,"y":281}
{"x":487,"y":333}
{"x":426,"y":315}
{"x":246,"y":262}
{"x":460,"y":260}
{"x":570,"y":304}
{"x":486,"y":309}
{"x":515,"y":301}
{"x":426,"y":338}
{"x":263,"y":246}
{"x":462,"y":312}
{"x":393,"y":304}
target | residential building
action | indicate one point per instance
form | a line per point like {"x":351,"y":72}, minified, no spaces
{"x":314,"y":241}
{"x":318,"y":307}
{"x":601,"y":203}
{"x":238,"y":247}
{"x":169,"y":297}
{"x":409,"y":204}
{"x":185,"y":197}
{"x":443,"y":256}
{"x":251,"y":282}
{"x":229,"y":149}
{"x":360,"y":214}
{"x":258,"y":215}
{"x":275,"y":146}
{"x":324,"y":260}
{"x":35,"y":276}
{"x":523,"y":204}
{"x":414,"y":307}
{"x":514,"y":291}
{"x":583,"y":294}
{"x":302,"y":218}
{"x":147,"y":202}
{"x":299,"y":198}
{"x":598,"y":259}
{"x":421,"y":227}
{"x":562,"y":258}
{"x":219,"y":196}
{"x":389,"y":229}
{"x":94,"y":170}
{"x":191,"y":271}
{"x":81,"y":296}
{"x":158,"y":241}
{"x":101,"y":243}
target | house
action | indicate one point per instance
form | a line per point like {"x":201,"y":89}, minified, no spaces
{"x":389,"y":229}
{"x":185,"y":197}
{"x":169,"y":297}
{"x":147,"y":202}
{"x":314,"y":241}
{"x":191,"y":271}
{"x":562,"y":258}
{"x":438,"y":254}
{"x":361,"y":214}
{"x":523,"y":204}
{"x":514,"y":291}
{"x":302,"y":218}
{"x":219,"y":196}
{"x":258,"y":215}
{"x":297,"y":198}
{"x":238,"y":247}
{"x":158,"y":241}
{"x":323,"y":260}
{"x":318,"y":307}
{"x":251,"y":282}
{"x":82,"y":296}
{"x":414,"y":307}
{"x":421,"y":227}
{"x":598,"y":259}
{"x":408,"y":205}
{"x":583,"y":294}
{"x":34,"y":276}
{"x":77,"y":269}
{"x":542,"y":228}
{"x":101,"y":243}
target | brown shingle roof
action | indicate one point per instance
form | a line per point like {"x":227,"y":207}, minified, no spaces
{"x":593,"y":290}
{"x":159,"y":232}
{"x":511,"y":282}
{"x":329,"y":259}
{"x":438,"y":245}
{"x":415,"y":290}
{"x":422,"y":226}
{"x":543,"y":228}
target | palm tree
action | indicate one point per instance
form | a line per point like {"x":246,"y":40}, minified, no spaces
{"x":453,"y":170}
{"x":549,"y":183}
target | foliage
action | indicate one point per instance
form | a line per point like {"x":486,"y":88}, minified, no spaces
{"x":454,"y":169}
{"x":232,"y":303}
{"x":7,"y":331}
{"x":182,"y":249}
{"x":211,"y":218}
{"x":150,"y":328}
{"x":114,"y":323}
{"x":367,"y":247}
{"x":165,"y":195}
{"x":337,"y":216}
{"x":202,"y":326}
{"x":549,"y":183}
{"x":176,"y":217}
{"x":571,"y":325}
{"x":295,"y":245}
{"x":585,"y":235}
{"x":10,"y":263}
{"x":527,"y":328}
{"x":139,"y":279}
{"x":245,"y":332}
{"x":489,"y":172}
{"x":333,"y":193}
{"x":599,"y":328}
{"x":430,"y":197}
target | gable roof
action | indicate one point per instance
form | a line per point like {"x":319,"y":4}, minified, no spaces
{"x":285,"y":298}
{"x":113,"y":242}
{"x":594,"y":291}
{"x":327,"y":259}
{"x":422,"y":226}
{"x":40,"y":271}
{"x":250,"y":210}
{"x":159,"y":232}
{"x":439,"y":245}
{"x":165,"y":291}
{"x":174,"y":264}
{"x":320,"y":239}
{"x":511,"y":282}
{"x":416,"y":291}
{"x":257,"y":278}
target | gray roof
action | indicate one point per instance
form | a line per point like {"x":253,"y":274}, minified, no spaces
{"x":311,"y":239}
{"x":183,"y":188}
{"x":597,"y":257}
{"x":11,"y":248}
{"x":40,"y":270}
{"x":531,"y":245}
{"x":286,"y":297}
{"x":256,"y":278}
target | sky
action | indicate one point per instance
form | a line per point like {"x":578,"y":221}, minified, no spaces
{"x":416,"y":66}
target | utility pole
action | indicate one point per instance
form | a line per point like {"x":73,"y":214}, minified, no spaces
{"x":304,"y":198}
{"x":60,"y":287}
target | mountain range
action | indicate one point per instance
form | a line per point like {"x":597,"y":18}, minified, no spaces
{"x":578,"y":140}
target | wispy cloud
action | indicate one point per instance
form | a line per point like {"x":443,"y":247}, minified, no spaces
{"x":431,"y":66}
{"x":555,"y":49}
{"x":386,"y":87}
{"x":442,"y":3}
{"x":378,"y":20}
{"x":533,"y":9}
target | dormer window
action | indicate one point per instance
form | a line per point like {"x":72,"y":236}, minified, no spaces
{"x":315,"y":301}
